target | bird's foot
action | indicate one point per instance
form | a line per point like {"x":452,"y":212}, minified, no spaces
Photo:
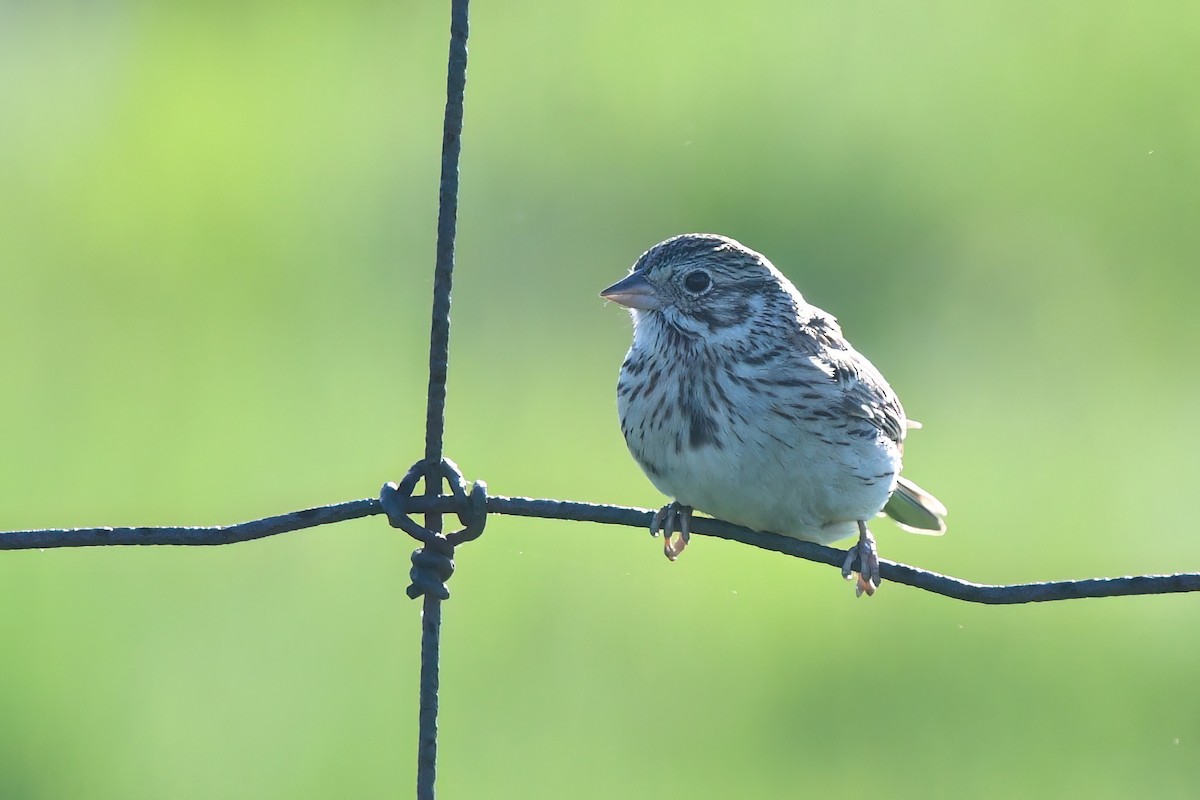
{"x":868,"y":562}
{"x":671,"y":519}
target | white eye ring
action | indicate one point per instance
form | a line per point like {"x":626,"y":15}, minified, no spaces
{"x":697,"y":282}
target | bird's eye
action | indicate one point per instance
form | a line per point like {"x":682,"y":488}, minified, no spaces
{"x":697,"y":282}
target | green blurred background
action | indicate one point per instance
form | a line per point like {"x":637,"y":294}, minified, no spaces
{"x":216,"y":243}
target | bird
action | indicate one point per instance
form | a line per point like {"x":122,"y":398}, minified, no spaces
{"x":740,"y":399}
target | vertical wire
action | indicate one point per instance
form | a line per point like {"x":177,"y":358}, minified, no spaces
{"x":431,"y":624}
{"x":439,"y":340}
{"x":439,"y":350}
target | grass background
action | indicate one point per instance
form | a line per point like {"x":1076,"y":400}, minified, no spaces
{"x":216,"y":245}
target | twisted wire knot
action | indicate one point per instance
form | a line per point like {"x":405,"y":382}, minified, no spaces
{"x":433,"y":562}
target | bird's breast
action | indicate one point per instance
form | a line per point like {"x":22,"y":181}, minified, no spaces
{"x":761,"y":450}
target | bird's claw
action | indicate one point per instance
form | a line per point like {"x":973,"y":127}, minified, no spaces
{"x":868,"y":562}
{"x":671,"y":519}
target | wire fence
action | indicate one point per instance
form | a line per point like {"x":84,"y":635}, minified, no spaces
{"x":433,"y":562}
{"x":945,"y":585}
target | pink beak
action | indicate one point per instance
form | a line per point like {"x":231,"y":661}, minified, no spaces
{"x":633,"y":291}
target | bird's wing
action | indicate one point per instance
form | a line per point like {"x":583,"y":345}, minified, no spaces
{"x":864,"y":392}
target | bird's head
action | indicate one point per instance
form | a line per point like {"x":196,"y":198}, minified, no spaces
{"x":704,"y":286}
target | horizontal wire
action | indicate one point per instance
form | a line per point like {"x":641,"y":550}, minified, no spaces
{"x":607,"y":515}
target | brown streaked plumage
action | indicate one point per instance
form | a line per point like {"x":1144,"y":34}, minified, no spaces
{"x":740,"y":399}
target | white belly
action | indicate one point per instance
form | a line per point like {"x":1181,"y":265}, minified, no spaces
{"x":806,"y":479}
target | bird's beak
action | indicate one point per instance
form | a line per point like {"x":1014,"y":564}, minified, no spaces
{"x":633,"y":291}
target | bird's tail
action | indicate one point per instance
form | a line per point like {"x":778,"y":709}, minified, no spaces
{"x":915,"y":509}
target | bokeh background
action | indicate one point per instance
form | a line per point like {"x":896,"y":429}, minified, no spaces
{"x":216,"y":243}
